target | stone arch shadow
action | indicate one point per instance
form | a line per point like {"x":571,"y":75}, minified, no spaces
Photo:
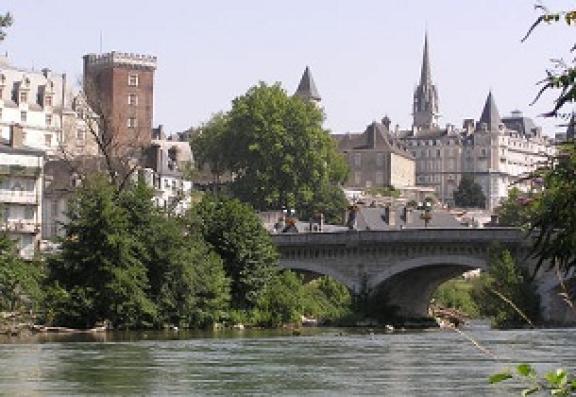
{"x":408,"y":285}
{"x":323,"y":269}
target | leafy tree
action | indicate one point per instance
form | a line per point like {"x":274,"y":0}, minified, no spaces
{"x":6,"y":21}
{"x":515,"y":210}
{"x":208,"y":146}
{"x":187,"y":278}
{"x":506,"y":294}
{"x":327,"y":300}
{"x":469,"y":193}
{"x":98,"y":275}
{"x":19,"y":280}
{"x":237,"y":235}
{"x":282,"y":301}
{"x":279,"y":153}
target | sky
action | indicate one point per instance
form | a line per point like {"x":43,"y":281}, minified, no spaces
{"x":365,"y":55}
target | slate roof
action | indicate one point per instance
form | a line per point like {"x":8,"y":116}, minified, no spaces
{"x":490,"y":114}
{"x":307,"y":88}
{"x":375,"y":137}
{"x":373,"y":219}
{"x":523,"y":125}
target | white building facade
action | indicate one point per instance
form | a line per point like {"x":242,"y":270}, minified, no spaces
{"x":21,"y":184}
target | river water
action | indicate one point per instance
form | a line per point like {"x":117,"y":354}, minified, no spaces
{"x":319,"y":362}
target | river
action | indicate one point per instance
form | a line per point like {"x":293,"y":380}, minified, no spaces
{"x":319,"y":362}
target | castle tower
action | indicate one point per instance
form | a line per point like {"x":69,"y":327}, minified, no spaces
{"x":425,"y":108}
{"x":490,"y":117}
{"x":120,"y":88}
{"x":307,"y":88}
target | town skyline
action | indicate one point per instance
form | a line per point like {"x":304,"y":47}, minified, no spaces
{"x":363,"y":69}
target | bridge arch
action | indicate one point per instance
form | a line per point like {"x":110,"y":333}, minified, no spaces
{"x":408,"y":285}
{"x":323,"y":269}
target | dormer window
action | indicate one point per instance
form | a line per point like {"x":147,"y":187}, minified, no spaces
{"x":23,"y":116}
{"x":23,"y":97}
{"x":132,"y":122}
{"x":48,"y":120}
{"x":48,"y":100}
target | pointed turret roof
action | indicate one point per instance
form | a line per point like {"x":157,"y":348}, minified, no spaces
{"x":426,"y":74}
{"x":490,"y":114}
{"x":307,"y":88}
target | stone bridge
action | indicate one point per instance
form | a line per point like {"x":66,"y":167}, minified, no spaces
{"x":408,"y":265}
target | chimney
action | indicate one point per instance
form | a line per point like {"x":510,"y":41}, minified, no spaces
{"x":16,"y":136}
{"x":46,"y":72}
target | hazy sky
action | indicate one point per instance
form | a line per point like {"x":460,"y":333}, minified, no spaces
{"x":365,"y":56}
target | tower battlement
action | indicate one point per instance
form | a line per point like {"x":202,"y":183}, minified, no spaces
{"x":116,"y":58}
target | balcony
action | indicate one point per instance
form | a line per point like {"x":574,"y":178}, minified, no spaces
{"x":21,"y":226}
{"x":18,"y":197}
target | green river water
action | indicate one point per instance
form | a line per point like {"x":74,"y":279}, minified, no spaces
{"x":320,"y":362}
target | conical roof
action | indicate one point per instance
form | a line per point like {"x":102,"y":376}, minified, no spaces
{"x":307,"y":88}
{"x":490,"y":114}
{"x":426,"y":74}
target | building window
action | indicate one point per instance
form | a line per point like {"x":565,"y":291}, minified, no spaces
{"x":23,"y":97}
{"x":23,"y":116}
{"x":132,"y":123}
{"x":48,"y":120}
{"x":358,"y":159}
{"x":379,"y":161}
{"x":29,"y":213}
{"x":0,"y":113}
{"x":133,"y":80}
{"x":80,"y":134}
{"x":357,"y":178}
{"x":48,"y":100}
{"x":132,"y":99}
{"x":379,"y":178}
{"x":48,"y":140}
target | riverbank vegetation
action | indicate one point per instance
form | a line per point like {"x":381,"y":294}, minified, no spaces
{"x":126,"y":263}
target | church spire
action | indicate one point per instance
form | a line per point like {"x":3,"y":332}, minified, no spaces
{"x":425,"y":75}
{"x":307,"y":88}
{"x":490,"y":115}
{"x":425,"y":109}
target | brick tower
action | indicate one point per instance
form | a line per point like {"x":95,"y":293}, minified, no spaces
{"x":120,"y":88}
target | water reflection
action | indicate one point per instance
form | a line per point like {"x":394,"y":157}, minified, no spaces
{"x":332,"y":362}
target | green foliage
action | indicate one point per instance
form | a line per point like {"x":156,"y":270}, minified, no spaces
{"x":278,"y":151}
{"x":458,"y":294}
{"x":554,"y":383}
{"x":236,"y":233}
{"x":208,"y":149}
{"x":6,"y":21}
{"x":515,"y":210}
{"x":98,"y":267}
{"x":505,"y":293}
{"x":469,"y":194}
{"x":19,"y":280}
{"x":553,"y":218}
{"x":187,"y":279}
{"x":282,"y":301}
{"x":386,"y":191}
{"x":327,"y":300}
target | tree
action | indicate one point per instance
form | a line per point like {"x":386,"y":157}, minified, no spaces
{"x":208,"y":147}
{"x":237,"y":235}
{"x":553,"y":219}
{"x":186,"y":277}
{"x":506,"y":294}
{"x":98,"y":274}
{"x":19,"y":280}
{"x":278,"y":152}
{"x":469,"y":193}
{"x":6,"y":21}
{"x":515,"y":210}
